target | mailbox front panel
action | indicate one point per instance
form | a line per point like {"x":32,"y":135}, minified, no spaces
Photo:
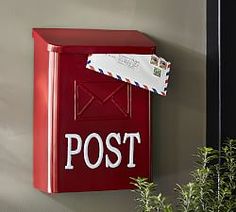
{"x":93,"y":103}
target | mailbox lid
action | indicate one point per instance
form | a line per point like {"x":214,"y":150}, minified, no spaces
{"x":86,"y":41}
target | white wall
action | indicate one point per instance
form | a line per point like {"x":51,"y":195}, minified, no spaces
{"x":178,"y":27}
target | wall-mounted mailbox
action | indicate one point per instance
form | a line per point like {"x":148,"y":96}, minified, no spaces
{"x":91,"y":132}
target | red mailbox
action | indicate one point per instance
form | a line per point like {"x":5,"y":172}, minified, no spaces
{"x":91,"y":132}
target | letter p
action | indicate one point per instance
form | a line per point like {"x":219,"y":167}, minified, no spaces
{"x":71,"y":151}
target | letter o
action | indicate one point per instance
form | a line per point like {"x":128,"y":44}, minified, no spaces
{"x":101,"y":150}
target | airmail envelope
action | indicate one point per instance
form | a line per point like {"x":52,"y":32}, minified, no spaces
{"x":145,"y":71}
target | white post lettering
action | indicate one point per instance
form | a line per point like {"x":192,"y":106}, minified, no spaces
{"x":113,"y":149}
{"x":100,"y":150}
{"x":71,"y":152}
{"x":132,"y":136}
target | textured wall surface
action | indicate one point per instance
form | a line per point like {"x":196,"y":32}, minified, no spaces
{"x":178,"y":27}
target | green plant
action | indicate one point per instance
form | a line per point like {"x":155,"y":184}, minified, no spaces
{"x":147,"y":198}
{"x":227,"y":180}
{"x":212,"y":188}
{"x":200,"y":192}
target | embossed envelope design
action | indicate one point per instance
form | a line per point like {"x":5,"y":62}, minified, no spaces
{"x":102,"y":100}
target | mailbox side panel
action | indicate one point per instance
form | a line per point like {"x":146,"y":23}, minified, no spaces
{"x":40,"y":122}
{"x":93,"y":103}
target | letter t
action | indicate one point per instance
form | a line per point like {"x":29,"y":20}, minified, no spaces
{"x":132,"y":136}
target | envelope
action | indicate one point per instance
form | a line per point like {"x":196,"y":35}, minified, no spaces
{"x":146,"y":71}
{"x":102,"y":100}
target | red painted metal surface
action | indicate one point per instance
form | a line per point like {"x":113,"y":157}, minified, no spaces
{"x":69,"y":99}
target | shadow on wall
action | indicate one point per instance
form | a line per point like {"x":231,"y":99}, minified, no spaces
{"x":178,"y":120}
{"x":10,"y":163}
{"x":99,"y":201}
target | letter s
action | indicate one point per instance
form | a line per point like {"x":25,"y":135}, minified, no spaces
{"x":113,"y":149}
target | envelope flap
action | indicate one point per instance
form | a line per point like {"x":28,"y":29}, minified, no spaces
{"x":102,"y":91}
{"x":108,"y":99}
